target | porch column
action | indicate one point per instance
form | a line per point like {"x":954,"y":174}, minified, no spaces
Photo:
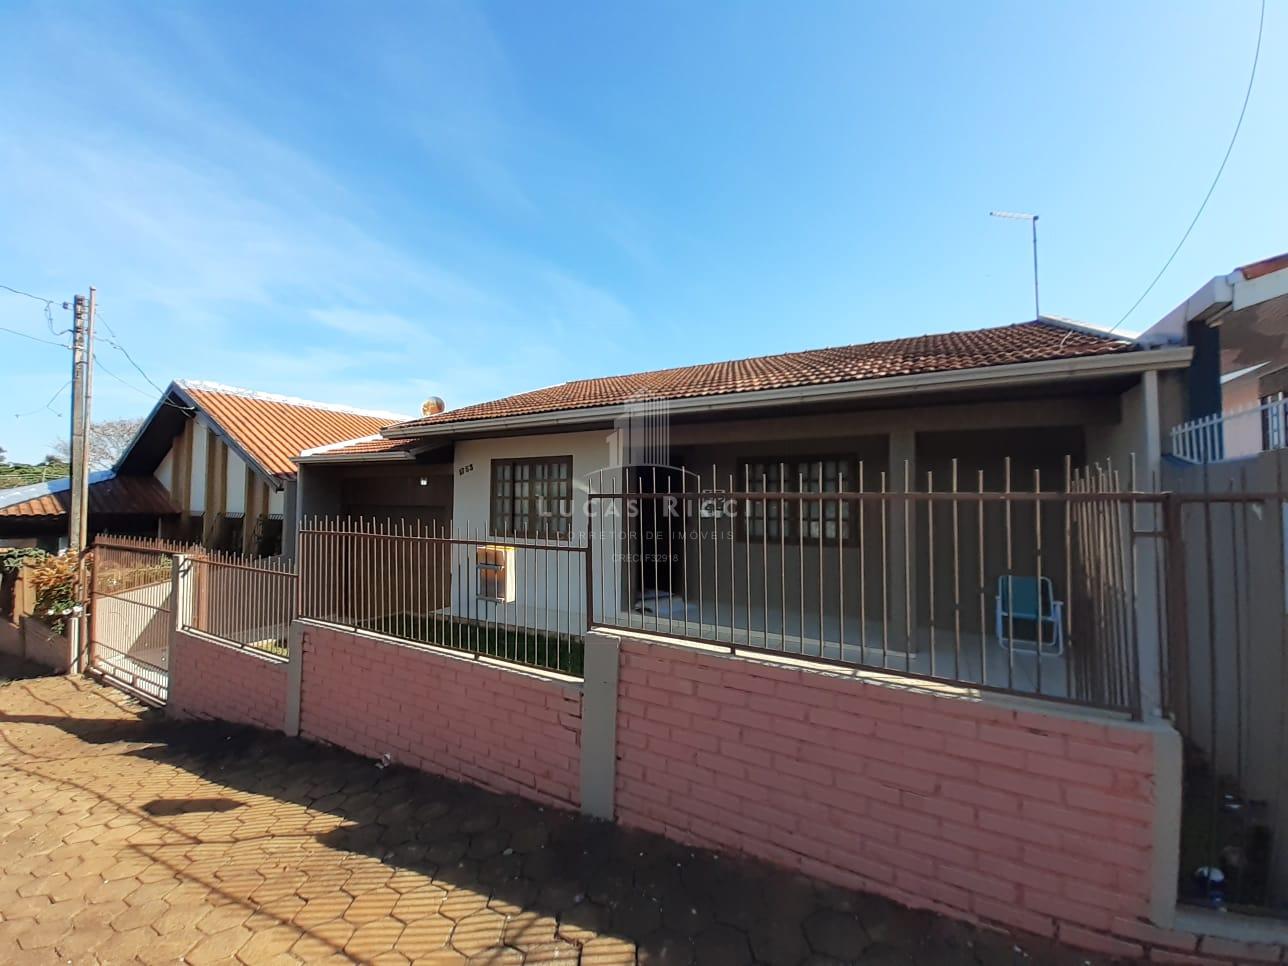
{"x":902,"y":564}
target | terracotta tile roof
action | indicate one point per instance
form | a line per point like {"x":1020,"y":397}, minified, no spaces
{"x":1265,"y":267}
{"x":109,"y":494}
{"x":273,"y":429}
{"x":1024,"y":342}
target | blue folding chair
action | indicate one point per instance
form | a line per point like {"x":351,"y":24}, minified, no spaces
{"x":1029,"y":600}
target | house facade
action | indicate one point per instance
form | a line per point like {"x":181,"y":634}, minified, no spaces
{"x":593,"y":463}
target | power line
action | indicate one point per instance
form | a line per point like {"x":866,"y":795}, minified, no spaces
{"x":142,"y":392}
{"x":48,"y":405}
{"x":49,"y":307}
{"x":1256,"y":57}
{"x":113,"y":340}
{"x":18,"y":291}
{"x":33,"y":338}
{"x":128,"y":385}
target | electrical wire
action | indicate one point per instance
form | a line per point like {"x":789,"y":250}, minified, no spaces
{"x":113,"y":340}
{"x":1256,"y":57}
{"x":33,"y":338}
{"x":18,"y":291}
{"x":98,"y":364}
{"x":49,"y":308}
{"x":48,"y":405}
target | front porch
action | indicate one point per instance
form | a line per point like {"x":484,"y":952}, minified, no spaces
{"x":966,"y":657}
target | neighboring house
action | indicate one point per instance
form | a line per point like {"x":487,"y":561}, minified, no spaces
{"x":1038,"y":397}
{"x":36,"y":515}
{"x":1238,"y":383}
{"x":211,"y":464}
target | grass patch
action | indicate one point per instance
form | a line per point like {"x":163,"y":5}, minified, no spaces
{"x":523,"y":645}
{"x":275,"y":647}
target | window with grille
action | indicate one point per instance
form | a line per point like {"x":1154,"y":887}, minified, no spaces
{"x":532,"y":497}
{"x":793,"y":519}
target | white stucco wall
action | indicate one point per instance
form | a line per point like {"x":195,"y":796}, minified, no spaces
{"x":1118,"y":445}
{"x":235,"y":490}
{"x":1242,"y":433}
{"x":558,"y":600}
{"x":277,"y":501}
{"x":165,"y":471}
{"x":200,"y":448}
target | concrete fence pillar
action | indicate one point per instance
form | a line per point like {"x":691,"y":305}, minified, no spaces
{"x":1166,"y":825}
{"x":294,"y":678}
{"x":599,"y":724}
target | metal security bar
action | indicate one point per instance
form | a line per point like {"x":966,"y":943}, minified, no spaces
{"x":1023,"y":589}
{"x":1228,"y":677}
{"x":131,"y":615}
{"x":493,"y":595}
{"x":246,"y":601}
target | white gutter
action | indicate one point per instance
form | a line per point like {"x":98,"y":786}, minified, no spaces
{"x":395,"y":456}
{"x":1016,"y":374}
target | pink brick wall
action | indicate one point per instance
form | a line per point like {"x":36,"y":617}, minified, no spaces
{"x":209,"y":680}
{"x":503,"y":729}
{"x":1017,"y":817}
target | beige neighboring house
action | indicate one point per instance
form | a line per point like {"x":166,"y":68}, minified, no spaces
{"x":211,"y":464}
{"x":224,"y":455}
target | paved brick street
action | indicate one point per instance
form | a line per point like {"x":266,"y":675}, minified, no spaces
{"x":125,"y":837}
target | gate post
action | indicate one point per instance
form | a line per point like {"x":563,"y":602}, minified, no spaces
{"x":81,"y":627}
{"x":178,"y":607}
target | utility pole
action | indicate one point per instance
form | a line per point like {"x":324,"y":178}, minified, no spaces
{"x":78,"y":515}
{"x":82,"y":392}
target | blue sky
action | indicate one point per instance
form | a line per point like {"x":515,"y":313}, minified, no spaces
{"x":374,"y":203}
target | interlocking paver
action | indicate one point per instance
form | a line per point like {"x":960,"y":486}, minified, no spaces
{"x":125,"y":837}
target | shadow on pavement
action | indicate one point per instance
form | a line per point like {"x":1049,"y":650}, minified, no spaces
{"x":678,"y":904}
{"x":16,"y":669}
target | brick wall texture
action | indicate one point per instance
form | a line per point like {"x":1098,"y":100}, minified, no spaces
{"x":210,"y":680}
{"x":506,"y":730}
{"x":1020,"y":818}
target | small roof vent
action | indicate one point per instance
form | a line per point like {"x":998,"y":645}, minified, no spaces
{"x":432,"y":406}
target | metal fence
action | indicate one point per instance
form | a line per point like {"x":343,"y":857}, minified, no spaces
{"x":1233,"y":435}
{"x":246,"y":601}
{"x":1228,"y":678}
{"x":1020,"y":589}
{"x":496,"y":595}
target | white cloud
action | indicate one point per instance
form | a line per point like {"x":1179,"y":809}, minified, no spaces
{"x":226,"y":249}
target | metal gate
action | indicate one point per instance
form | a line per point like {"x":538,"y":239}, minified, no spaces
{"x":1228,"y":677}
{"x":131,"y":616}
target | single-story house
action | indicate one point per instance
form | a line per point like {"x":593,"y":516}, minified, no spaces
{"x":211,"y":464}
{"x":1010,"y":407}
